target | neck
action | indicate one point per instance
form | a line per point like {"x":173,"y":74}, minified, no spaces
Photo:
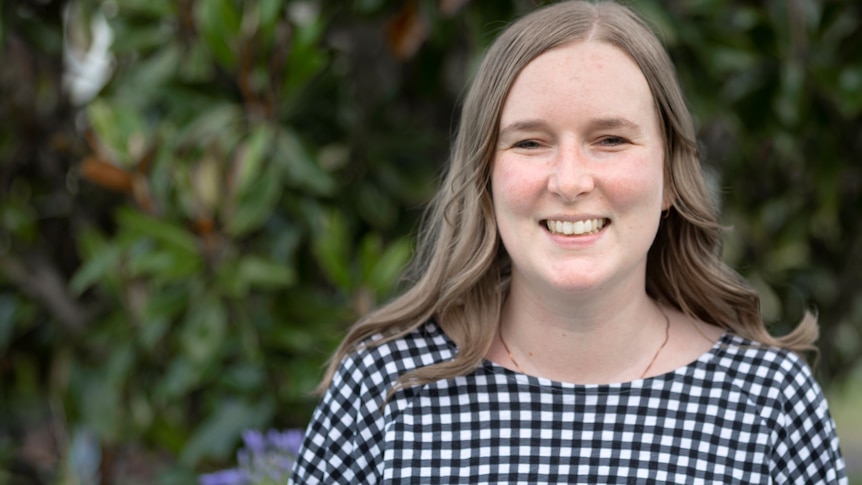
{"x":587,"y":340}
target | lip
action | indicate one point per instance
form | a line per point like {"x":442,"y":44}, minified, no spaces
{"x":573,"y":218}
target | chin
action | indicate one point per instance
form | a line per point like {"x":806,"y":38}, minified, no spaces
{"x":579,"y":287}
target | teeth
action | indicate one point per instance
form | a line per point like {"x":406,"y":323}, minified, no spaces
{"x":578,"y":228}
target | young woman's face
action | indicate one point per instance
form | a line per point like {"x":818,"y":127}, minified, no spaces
{"x":577,"y":178}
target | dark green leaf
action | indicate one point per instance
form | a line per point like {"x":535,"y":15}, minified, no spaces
{"x":173,"y":235}
{"x":216,"y":436}
{"x":331,"y":248}
{"x":219,"y":21}
{"x":301,"y":169}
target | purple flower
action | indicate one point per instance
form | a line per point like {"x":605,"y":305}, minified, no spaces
{"x":265,"y":459}
{"x":288,"y":441}
{"x":224,"y":477}
{"x":254,"y":441}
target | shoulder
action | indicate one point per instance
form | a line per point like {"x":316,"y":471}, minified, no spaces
{"x":344,"y":437}
{"x":378,"y":362}
{"x":757,"y":363}
{"x":778,"y":381}
{"x":762,"y":369}
{"x":791,"y":404}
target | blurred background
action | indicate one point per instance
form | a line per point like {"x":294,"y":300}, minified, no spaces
{"x":197,"y":197}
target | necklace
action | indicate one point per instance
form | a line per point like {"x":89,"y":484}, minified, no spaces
{"x":648,"y":367}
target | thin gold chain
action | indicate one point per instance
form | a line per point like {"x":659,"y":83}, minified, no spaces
{"x":648,"y":367}
{"x":511,"y":357}
{"x":664,"y":342}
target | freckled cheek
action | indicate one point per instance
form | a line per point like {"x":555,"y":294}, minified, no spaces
{"x":515,"y":189}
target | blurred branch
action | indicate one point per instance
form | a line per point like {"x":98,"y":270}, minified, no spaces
{"x":41,"y":281}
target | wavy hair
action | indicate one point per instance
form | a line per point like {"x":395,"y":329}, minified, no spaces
{"x":459,"y":275}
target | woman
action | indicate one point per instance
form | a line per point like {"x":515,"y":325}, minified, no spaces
{"x":570,"y":319}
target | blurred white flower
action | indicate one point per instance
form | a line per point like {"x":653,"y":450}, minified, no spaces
{"x":87,"y":59}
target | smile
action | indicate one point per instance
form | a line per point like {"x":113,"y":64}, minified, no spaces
{"x":576,"y":228}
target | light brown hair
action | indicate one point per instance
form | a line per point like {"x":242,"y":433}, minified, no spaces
{"x":460,"y":273}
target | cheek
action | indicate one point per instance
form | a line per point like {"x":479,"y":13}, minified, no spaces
{"x":514,"y":186}
{"x":640,"y":183}
{"x":637,"y":191}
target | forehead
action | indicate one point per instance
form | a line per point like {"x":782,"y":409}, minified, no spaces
{"x":586,"y":76}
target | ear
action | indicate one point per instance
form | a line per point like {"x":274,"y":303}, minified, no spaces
{"x":667,"y":203}
{"x":668,"y":197}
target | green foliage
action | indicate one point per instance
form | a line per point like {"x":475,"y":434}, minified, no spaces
{"x":775,"y":90}
{"x":179,"y":256}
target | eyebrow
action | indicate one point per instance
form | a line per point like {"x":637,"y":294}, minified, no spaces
{"x":524,"y":125}
{"x":598,"y":123}
{"x":614,"y":123}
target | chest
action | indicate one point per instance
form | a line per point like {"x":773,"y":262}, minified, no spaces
{"x":505,"y":432}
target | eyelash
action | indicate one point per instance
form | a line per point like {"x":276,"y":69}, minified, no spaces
{"x":527,"y":144}
{"x":608,"y":140}
{"x":617,"y":140}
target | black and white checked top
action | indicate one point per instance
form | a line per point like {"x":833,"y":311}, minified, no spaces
{"x":741,"y":413}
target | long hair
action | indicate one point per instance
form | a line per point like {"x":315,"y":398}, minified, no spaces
{"x":460,"y":272}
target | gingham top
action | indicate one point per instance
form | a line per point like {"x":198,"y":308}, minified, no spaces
{"x":741,"y":413}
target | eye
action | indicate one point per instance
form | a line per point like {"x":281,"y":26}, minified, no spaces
{"x":528,"y":144}
{"x":613,"y":141}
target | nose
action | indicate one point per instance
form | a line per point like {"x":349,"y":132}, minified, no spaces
{"x":571,"y":174}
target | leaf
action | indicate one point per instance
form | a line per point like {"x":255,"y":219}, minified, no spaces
{"x":196,"y":66}
{"x":106,"y":175}
{"x":165,"y":263}
{"x":151,"y":74}
{"x":331,"y":246}
{"x":293,"y":338}
{"x":657,"y":17}
{"x":285,"y":237}
{"x":369,"y":252}
{"x":150,"y":8}
{"x":95,"y":268}
{"x":368,"y":6}
{"x":264,"y":273}
{"x":114,"y":125}
{"x":221,"y":122}
{"x":19,"y":218}
{"x":101,"y":392}
{"x":203,"y":330}
{"x":163,"y":231}
{"x":305,"y":59}
{"x":219,"y":22}
{"x":375,"y":207}
{"x":406,"y":31}
{"x":302,"y":170}
{"x":182,"y":376}
{"x":389,"y":267}
{"x":206,"y":182}
{"x":245,"y":377}
{"x":250,"y":158}
{"x":216,"y":436}
{"x":237,"y":277}
{"x":168,"y":303}
{"x":850,"y":91}
{"x":255,"y":206}
{"x":101,"y":259}
{"x":269,"y":11}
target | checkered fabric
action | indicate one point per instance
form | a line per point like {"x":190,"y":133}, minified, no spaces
{"x":741,"y":413}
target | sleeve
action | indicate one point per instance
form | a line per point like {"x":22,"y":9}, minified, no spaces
{"x":806,"y":450}
{"x":342,"y":440}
